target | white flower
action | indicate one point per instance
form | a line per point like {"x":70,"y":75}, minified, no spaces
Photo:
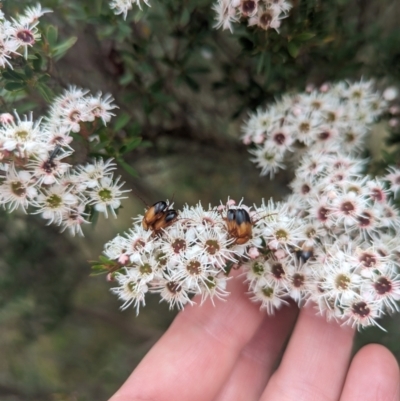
{"x":58,"y":135}
{"x":100,"y":107}
{"x":394,"y":179}
{"x":138,"y":242}
{"x":283,"y":233}
{"x":214,"y":245}
{"x":24,"y":137}
{"x":347,"y":208}
{"x":131,"y":290}
{"x":201,"y":218}
{"x":32,"y":14}
{"x":270,"y":296}
{"x":341,"y":283}
{"x":91,"y":174}
{"x":361,"y":313}
{"x":176,"y":242}
{"x":123,"y":6}
{"x":73,"y":220}
{"x":266,"y":18}
{"x":384,"y":289}
{"x":47,"y":169}
{"x":369,"y":261}
{"x":214,"y":287}
{"x":25,"y":35}
{"x":267,"y":159}
{"x":172,"y":291}
{"x":117,"y":248}
{"x":148,"y":268}
{"x":107,"y":195}
{"x":255,"y":270}
{"x":297,"y":280}
{"x":72,"y":115}
{"x":196,"y":273}
{"x":264,"y":13}
{"x":54,"y":203}
{"x":225,"y":14}
{"x":17,"y":190}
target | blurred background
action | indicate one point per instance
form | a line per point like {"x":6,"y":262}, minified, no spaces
{"x":184,"y":90}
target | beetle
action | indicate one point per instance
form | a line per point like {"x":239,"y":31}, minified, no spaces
{"x":239,"y":225}
{"x":158,"y":217}
{"x":49,"y":164}
{"x":305,"y":254}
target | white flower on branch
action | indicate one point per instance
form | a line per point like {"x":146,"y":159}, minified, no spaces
{"x":123,"y":6}
{"x":265,"y":14}
{"x":37,"y":179}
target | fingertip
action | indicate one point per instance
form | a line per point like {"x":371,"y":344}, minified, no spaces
{"x":381,"y":359}
{"x":373,"y":375}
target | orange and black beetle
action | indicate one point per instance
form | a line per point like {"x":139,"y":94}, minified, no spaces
{"x":158,"y":217}
{"x":239,"y":225}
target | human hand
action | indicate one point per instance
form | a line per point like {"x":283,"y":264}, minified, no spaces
{"x":234,"y":352}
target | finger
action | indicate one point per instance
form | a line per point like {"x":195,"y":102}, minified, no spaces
{"x":197,"y":353}
{"x":373,"y":375}
{"x":315,"y":362}
{"x":258,"y":358}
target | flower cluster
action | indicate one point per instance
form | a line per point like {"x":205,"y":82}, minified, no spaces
{"x":338,"y":248}
{"x":34,"y":173}
{"x":337,"y":117}
{"x":265,"y":14}
{"x":123,"y":6}
{"x":332,"y":242}
{"x":185,"y":258}
{"x":17,"y":35}
{"x":348,"y":261}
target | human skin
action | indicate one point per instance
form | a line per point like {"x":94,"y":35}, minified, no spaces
{"x":232,"y":351}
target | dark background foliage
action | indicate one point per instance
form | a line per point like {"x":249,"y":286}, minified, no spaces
{"x":183,"y":89}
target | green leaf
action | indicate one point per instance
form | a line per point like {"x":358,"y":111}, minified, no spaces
{"x":303,"y":37}
{"x":52,"y":35}
{"x":135,"y":129}
{"x":99,"y":268}
{"x":37,"y":62}
{"x":95,"y":150}
{"x":46,"y":92}
{"x":28,"y":72}
{"x":44,"y":78}
{"x":13,"y":86}
{"x":107,"y":31}
{"x":121,"y":121}
{"x":260,"y":63}
{"x":126,"y":79}
{"x":184,"y":17}
{"x":130,"y":170}
{"x":27,"y":106}
{"x":191,"y":83}
{"x":138,"y":15}
{"x":12,"y":75}
{"x":104,"y":259}
{"x":197,"y":70}
{"x":60,"y":50}
{"x":132,"y":144}
{"x":293,"y":49}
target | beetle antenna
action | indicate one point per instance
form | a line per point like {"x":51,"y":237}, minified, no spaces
{"x":172,"y":200}
{"x":138,"y":196}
